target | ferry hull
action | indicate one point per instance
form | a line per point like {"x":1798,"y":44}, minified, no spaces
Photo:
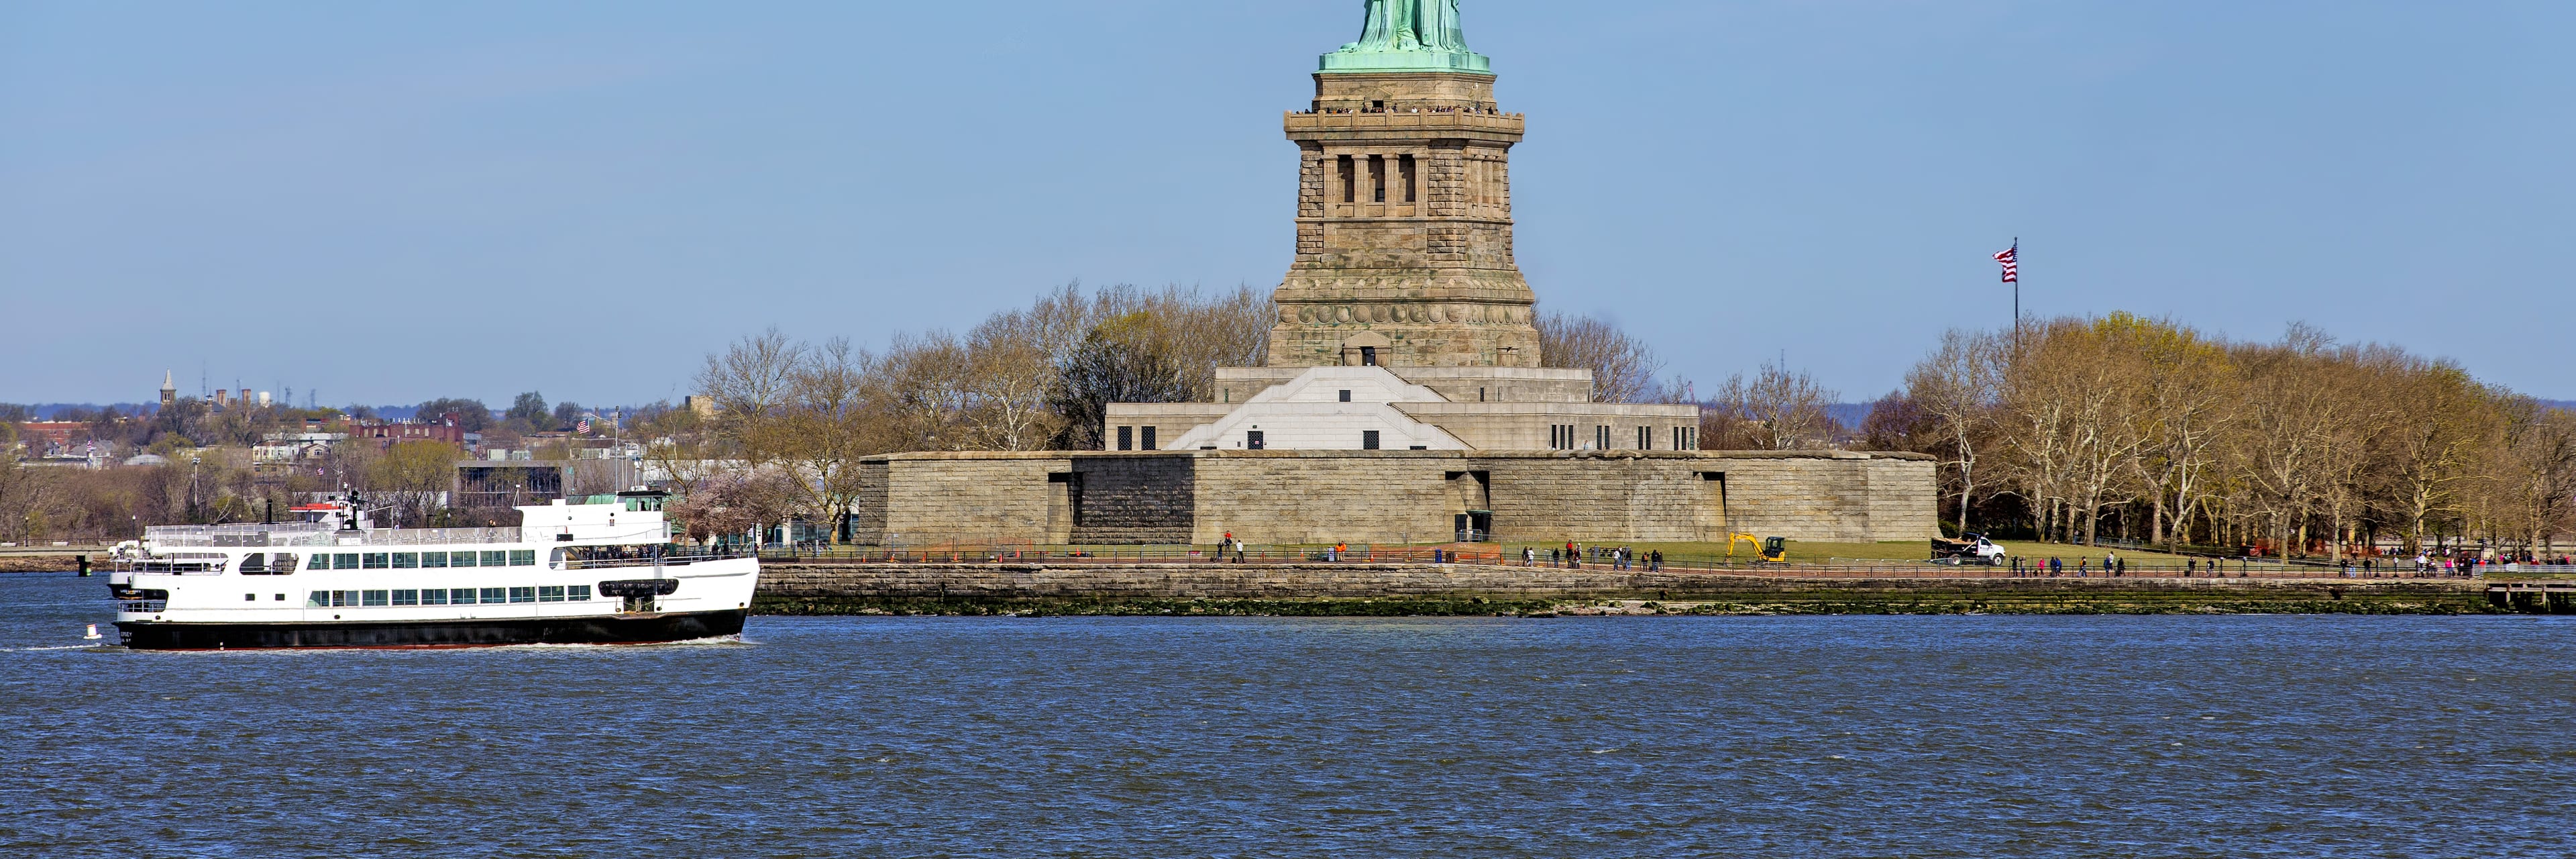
{"x":492,"y":632}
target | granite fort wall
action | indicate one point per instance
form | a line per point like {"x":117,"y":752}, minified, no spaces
{"x":1313,"y":496}
{"x":970,"y":498}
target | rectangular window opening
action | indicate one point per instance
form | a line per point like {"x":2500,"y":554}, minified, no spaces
{"x":1368,"y":440}
{"x":1252,"y":440}
{"x":433,"y":596}
{"x":373,"y":561}
{"x":407,"y":596}
{"x":433,"y":560}
{"x":496,"y":558}
{"x":1126,"y":438}
{"x":1346,"y":396}
{"x":526,"y":594}
{"x":577,"y":593}
{"x":1377,"y":178}
{"x":1404,"y":166}
{"x":550,"y":593}
{"x":523,"y":557}
{"x":406,"y":560}
{"x":1368,"y":356}
{"x":1145,"y":438}
{"x":494,"y":595}
{"x":1350,"y":181}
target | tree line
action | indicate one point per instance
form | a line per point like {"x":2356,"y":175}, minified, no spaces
{"x":2082,"y":430}
{"x":791,"y":420}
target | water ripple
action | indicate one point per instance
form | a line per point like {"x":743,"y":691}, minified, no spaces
{"x":1854,"y":736}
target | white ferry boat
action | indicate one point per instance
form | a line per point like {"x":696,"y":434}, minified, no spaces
{"x":572,"y":573}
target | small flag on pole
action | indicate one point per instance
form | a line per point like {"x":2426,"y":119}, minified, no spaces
{"x":583,"y":427}
{"x":2011,"y":259}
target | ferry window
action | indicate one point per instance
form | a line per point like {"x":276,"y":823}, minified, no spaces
{"x":460,"y":559}
{"x":577,"y":593}
{"x":433,"y":560}
{"x":495,"y":558}
{"x":250,"y":597}
{"x":285,"y":564}
{"x":550,"y":593}
{"x":406,"y":560}
{"x":255,"y":562}
{"x":523,"y":594}
{"x":523,"y":557}
{"x":433,"y":596}
{"x":495,"y":595}
{"x":371,"y":597}
{"x":406,"y":597}
{"x":373,"y":561}
{"x":344,"y":562}
{"x":319,"y":599}
{"x":343,"y":598}
{"x":281,"y":597}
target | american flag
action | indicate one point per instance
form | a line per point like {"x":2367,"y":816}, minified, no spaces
{"x":583,"y":427}
{"x":2011,"y":258}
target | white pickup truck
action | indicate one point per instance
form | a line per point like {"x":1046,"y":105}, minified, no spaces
{"x":1975,"y":549}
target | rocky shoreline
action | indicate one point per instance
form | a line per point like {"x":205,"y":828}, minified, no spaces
{"x":1368,"y":590}
{"x":39,"y":563}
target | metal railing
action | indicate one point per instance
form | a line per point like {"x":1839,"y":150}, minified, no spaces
{"x":308,"y":534}
{"x":664,"y":561}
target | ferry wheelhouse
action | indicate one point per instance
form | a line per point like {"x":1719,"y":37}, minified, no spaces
{"x":600,"y":570}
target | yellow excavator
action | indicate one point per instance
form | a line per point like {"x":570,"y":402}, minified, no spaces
{"x":1771,"y":550}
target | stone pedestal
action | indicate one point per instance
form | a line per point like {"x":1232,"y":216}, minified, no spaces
{"x":1404,"y":227}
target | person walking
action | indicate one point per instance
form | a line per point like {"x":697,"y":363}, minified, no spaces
{"x":1529,"y":556}
{"x":2056,"y":567}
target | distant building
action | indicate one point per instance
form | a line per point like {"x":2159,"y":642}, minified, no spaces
{"x":49,"y":438}
{"x":289,"y":448}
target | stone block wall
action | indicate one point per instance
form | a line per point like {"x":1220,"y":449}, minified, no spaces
{"x":969,"y":498}
{"x":1134,"y":500}
{"x":1326,"y":496}
{"x":1594,"y":496}
{"x":1396,"y":496}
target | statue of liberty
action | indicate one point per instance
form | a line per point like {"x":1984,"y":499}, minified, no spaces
{"x":1410,"y":25}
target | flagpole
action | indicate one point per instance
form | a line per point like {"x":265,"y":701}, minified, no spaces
{"x":2016,"y":252}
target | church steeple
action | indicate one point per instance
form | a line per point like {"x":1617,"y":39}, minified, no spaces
{"x":169,"y":389}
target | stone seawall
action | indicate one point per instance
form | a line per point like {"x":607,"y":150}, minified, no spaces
{"x":1470,"y":589}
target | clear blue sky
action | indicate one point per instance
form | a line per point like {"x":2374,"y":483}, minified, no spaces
{"x":391,"y":202}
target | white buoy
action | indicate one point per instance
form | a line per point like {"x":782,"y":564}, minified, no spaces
{"x":93,"y":633}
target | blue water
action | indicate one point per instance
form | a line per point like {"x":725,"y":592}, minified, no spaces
{"x":1841,"y":736}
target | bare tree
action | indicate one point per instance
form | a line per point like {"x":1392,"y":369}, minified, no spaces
{"x":1623,"y":367}
{"x":1778,"y":409}
{"x":1958,"y":387}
